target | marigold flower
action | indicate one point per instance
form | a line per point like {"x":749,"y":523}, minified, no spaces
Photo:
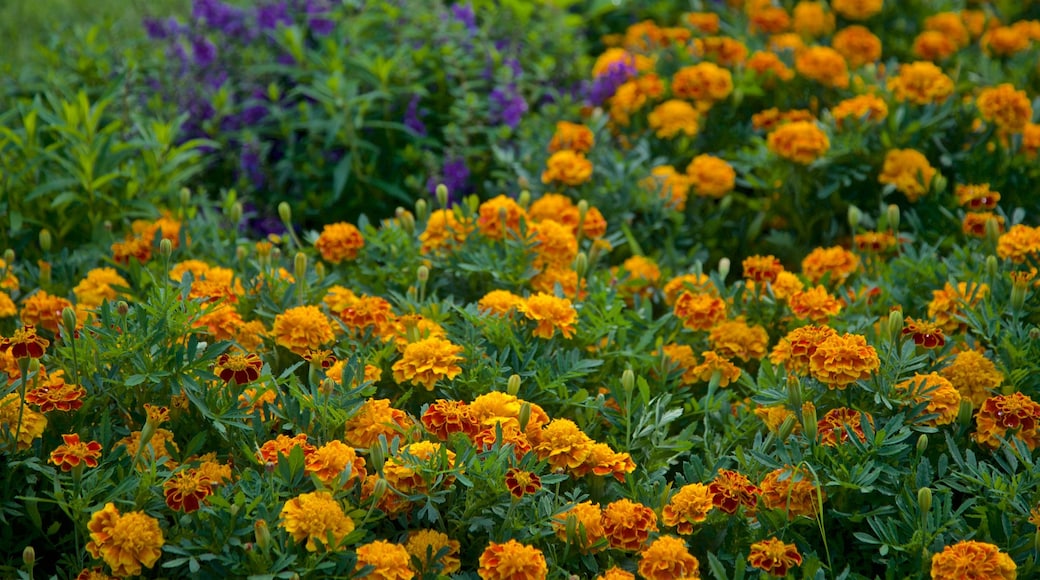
{"x":786,"y":42}
{"x":774,"y":557}
{"x":614,"y":56}
{"x":43,"y":310}
{"x":703,"y":82}
{"x":688,"y":507}
{"x":934,"y":45}
{"x":1019,"y":243}
{"x":302,"y":328}
{"x":921,"y":83}
{"x":501,"y":214}
{"x":824,"y":65}
{"x":668,"y":559}
{"x":445,"y":417}
{"x":669,"y":184}
{"x":713,"y":362}
{"x":563,"y":444}
{"x":436,"y":553}
{"x":730,"y":490}
{"x":73,"y":452}
{"x":858,"y":45}
{"x":427,"y":361}
{"x":800,"y":141}
{"x":835,"y":262}
{"x":283,"y":445}
{"x":55,"y":393}
{"x":602,"y":461}
{"x":976,"y":197}
{"x":974,"y":375}
{"x":500,"y":302}
{"x":376,"y":417}
{"x":769,"y":19}
{"x":239,"y":367}
{"x":862,"y":108}
{"x":315,"y":517}
{"x":573,"y":136}
{"x":711,"y":176}
{"x":1006,"y":107}
{"x":875,"y":242}
{"x":1004,"y":41}
{"x":951,"y":25}
{"x":699,"y":311}
{"x":444,"y":232}
{"x":735,"y":339}
{"x":582,"y":524}
{"x":811,"y":19}
{"x":761,"y":268}
{"x":98,"y":286}
{"x":857,"y":9}
{"x":768,"y":65}
{"x":972,"y":559}
{"x":947,"y":304}
{"x":551,"y":314}
{"x":791,"y":490}
{"x":330,"y":461}
{"x":833,"y":427}
{"x":505,"y":432}
{"x":134,"y":247}
{"x":706,"y":22}
{"x":839,"y":361}
{"x":567,"y":167}
{"x":125,"y":541}
{"x":96,"y":573}
{"x":389,"y":561}
{"x":555,"y":244}
{"x":185,"y":490}
{"x":795,"y":350}
{"x":339,"y":241}
{"x":688,"y":283}
{"x":156,"y":446}
{"x":942,"y":397}
{"x":512,"y":561}
{"x":521,"y":483}
{"x":1005,"y":416}
{"x":673,"y":117}
{"x":681,"y":357}
{"x":773,"y":417}
{"x":627,"y":525}
{"x":14,"y":412}
{"x":924,"y":334}
{"x":815,"y":305}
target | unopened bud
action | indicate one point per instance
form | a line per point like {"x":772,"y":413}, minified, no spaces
{"x":724,"y":265}
{"x":235,"y":215}
{"x":263,"y":534}
{"x":525,"y":416}
{"x":165,"y":248}
{"x":810,"y":422}
{"x":992,"y":232}
{"x":787,"y":427}
{"x":892,"y":217}
{"x":29,"y":556}
{"x":379,"y":490}
{"x":992,"y":266}
{"x":1018,"y":296}
{"x":794,"y":394}
{"x":422,"y":274}
{"x":269,"y":467}
{"x":68,"y":319}
{"x":939,"y":183}
{"x":45,"y":240}
{"x":377,"y":453}
{"x":9,"y":257}
{"x":524,"y":199}
{"x":407,"y":220}
{"x":185,"y":197}
{"x":513,"y":384}
{"x":965,"y":412}
{"x":922,"y":443}
{"x":854,"y":217}
{"x":45,"y":272}
{"x":895,"y":324}
{"x":628,"y":381}
{"x":300,"y":266}
{"x":319,"y":270}
{"x":583,"y":210}
{"x":442,"y":195}
{"x":422,"y":210}
{"x":34,"y":366}
{"x":581,"y":264}
{"x":122,"y":308}
{"x":924,"y":499}
{"x":285,"y":212}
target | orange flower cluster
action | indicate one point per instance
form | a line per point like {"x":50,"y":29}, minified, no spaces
{"x":375,"y":417}
{"x":302,"y":328}
{"x":792,"y":490}
{"x":689,"y":506}
{"x":339,"y":241}
{"x":860,"y":109}
{"x":317,"y":518}
{"x":840,"y":360}
{"x":699,"y":311}
{"x":1019,"y":243}
{"x":566,"y":447}
{"x":833,"y":428}
{"x":943,"y":399}
{"x":736,"y":339}
{"x":44,"y":310}
{"x":705,"y":82}
{"x":857,"y":9}
{"x":730,"y":490}
{"x":19,"y":422}
{"x":815,"y":305}
{"x":924,"y":333}
{"x":512,"y":561}
{"x":627,"y":525}
{"x":909,"y":171}
{"x":711,"y":176}
{"x":858,"y":45}
{"x":389,"y":561}
{"x":972,"y":559}
{"x":672,"y":118}
{"x":73,"y":453}
{"x":774,"y":557}
{"x":948,"y":304}
{"x":568,"y":167}
{"x":573,"y":136}
{"x":427,"y":361}
{"x":521,"y":483}
{"x":499,"y":215}
{"x":801,"y":142}
{"x":824,"y":65}
{"x":55,"y":394}
{"x":921,"y":83}
{"x":668,"y":559}
{"x":836,"y":263}
{"x":425,"y":545}
{"x":445,"y":231}
{"x":1005,"y":416}
{"x":331,"y":461}
{"x":974,"y":376}
{"x":238,"y":367}
{"x":551,"y":314}
{"x":126,"y":542}
{"x":99,"y":285}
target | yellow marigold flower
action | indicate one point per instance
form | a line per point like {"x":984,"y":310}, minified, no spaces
{"x":673,"y":117}
{"x":950,"y":25}
{"x":7,"y":307}
{"x":669,"y":184}
{"x":774,"y":557}
{"x":555,"y":244}
{"x":839,"y":361}
{"x":786,"y":285}
{"x":512,"y":561}
{"x":688,"y":507}
{"x":376,"y":417}
{"x":427,"y":361}
{"x":1019,"y":243}
{"x":722,"y":50}
{"x":370,"y":313}
{"x":735,"y":339}
{"x":833,"y":427}
{"x":329,"y":461}
{"x":1006,"y":416}
{"x":567,"y":167}
{"x":942,"y":397}
{"x":863,"y":108}
{"x":921,"y":83}
{"x":1004,"y":41}
{"x":500,"y":302}
{"x":498,"y":407}
{"x":551,"y":314}
{"x":33,"y":423}
{"x":824,"y":65}
{"x":314,"y":517}
{"x":835,"y":262}
{"x":795,"y":350}
{"x":706,"y":22}
{"x":974,"y":376}
{"x":815,"y":305}
{"x":389,"y":561}
{"x":668,"y":559}
{"x":971,"y":559}
{"x":626,"y":100}
{"x":126,"y":542}
{"x":681,"y":357}
{"x":773,"y":417}
{"x":603,"y":461}
{"x":858,"y":45}
{"x":811,"y":19}
{"x":339,"y":241}
{"x":857,"y":9}
{"x":574,"y":136}
{"x":98,"y":286}
{"x":637,"y":274}
{"x":43,"y":310}
{"x":711,"y":176}
{"x":801,"y":141}
{"x":563,"y":445}
{"x":586,"y":522}
{"x":499,"y":214}
{"x":1005,"y":107}
{"x":715,"y":363}
{"x":688,"y":283}
{"x":302,"y":328}
{"x":705,"y":82}
{"x":699,"y":311}
{"x":792,"y":490}
{"x":768,"y":64}
{"x":444,"y":232}
{"x":947,"y":304}
{"x":627,"y":525}
{"x":425,"y":545}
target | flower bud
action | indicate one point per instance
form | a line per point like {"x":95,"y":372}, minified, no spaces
{"x":165,"y":248}
{"x":263,"y":535}
{"x":628,"y":381}
{"x":786,"y":428}
{"x":965,"y":412}
{"x":269,"y":467}
{"x":379,"y":490}
{"x":407,"y":220}
{"x":300,"y":266}
{"x":794,"y":394}
{"x":377,"y":453}
{"x":924,"y":499}
{"x":9,"y":257}
{"x":319,"y":270}
{"x":513,"y":384}
{"x":29,"y":556}
{"x":68,"y":319}
{"x":45,"y":272}
{"x":854,"y":217}
{"x":285,"y":213}
{"x":185,"y":197}
{"x":810,"y":423}
{"x":422,"y":210}
{"x":939,"y":183}
{"x":992,"y":266}
{"x":1018,"y":297}
{"x":992,"y":232}
{"x":45,"y":240}
{"x":122,"y":308}
{"x":524,"y":199}
{"x":34,"y":366}
{"x":724,"y":265}
{"x":235,"y":215}
{"x":922,"y":443}
{"x":422,"y":274}
{"x":892,"y":217}
{"x":895,"y":324}
{"x":583,"y":210}
{"x":581,"y":264}
{"x":442,"y":195}
{"x":525,"y":416}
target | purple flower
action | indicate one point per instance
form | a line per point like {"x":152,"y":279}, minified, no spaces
{"x":411,"y":117}
{"x":605,"y":85}
{"x":316,"y":12}
{"x":507,"y":106}
{"x":205,"y":51}
{"x":250,"y":164}
{"x":464,"y":14}
{"x":270,"y":16}
{"x":455,"y":176}
{"x":162,"y":29}
{"x":223,"y":17}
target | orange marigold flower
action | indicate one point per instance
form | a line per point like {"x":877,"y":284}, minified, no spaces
{"x":1019,"y":244}
{"x":74,"y":452}
{"x":134,"y":247}
{"x":951,"y":25}
{"x":96,"y":573}
{"x":563,"y":444}
{"x":512,"y":561}
{"x":581,"y":525}
{"x":824,"y":65}
{"x":500,"y":302}
{"x":673,"y":117}
{"x":567,"y":167}
{"x":699,"y":311}
{"x":602,"y":461}
{"x":501,"y":214}
{"x":283,"y":445}
{"x":339,"y":241}
{"x":947,"y":304}
{"x":669,"y":184}
{"x":815,"y":305}
{"x":858,"y":45}
{"x":126,"y":542}
{"x":330,"y":461}
{"x":862,"y":108}
{"x":1006,"y":107}
{"x":735,"y":339}
{"x":974,"y":375}
{"x":627,"y":524}
{"x":555,"y":244}
{"x":551,"y":314}
{"x":521,"y":483}
{"x":574,"y":136}
{"x":769,"y":19}
{"x":688,"y":507}
{"x":688,"y":282}
{"x":875,"y":242}
{"x":800,"y":141}
{"x":185,"y":490}
{"x":16,"y":415}
{"x":774,"y":557}
{"x":833,"y":428}
{"x":613,"y":56}
{"x":55,"y":393}
{"x":839,"y":361}
{"x":730,"y":490}
{"x":711,"y":176}
{"x":444,"y":232}
{"x":302,"y":328}
{"x":835,"y":262}
{"x":376,"y":417}
{"x":445,"y":417}
{"x":768,"y":64}
{"x":703,"y":82}
{"x":713,"y":363}
{"x":924,"y":334}
{"x":972,"y":559}
{"x":811,"y":19}
{"x":857,"y":9}
{"x":668,"y":559}
{"x":504,"y":432}
{"x":317,"y":518}
{"x":389,"y":561}
{"x":795,"y":350}
{"x":706,"y":22}
{"x":1004,"y":41}
{"x":921,"y":83}
{"x":934,"y":45}
{"x":681,"y":357}
{"x":98,"y":286}
{"x":976,"y":197}
{"x":774,"y":416}
{"x":436,"y":553}
{"x":942,"y":397}
{"x":238,"y":367}
{"x":44,"y":310}
{"x":762,"y":268}
{"x":791,"y":490}
{"x":1005,"y":416}
{"x":427,"y":361}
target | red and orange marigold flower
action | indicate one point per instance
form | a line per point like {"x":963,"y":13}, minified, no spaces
{"x":512,"y":561}
{"x":689,"y":506}
{"x":126,"y":542}
{"x":840,"y":360}
{"x":1006,"y":416}
{"x":793,"y":491}
{"x":55,"y":394}
{"x":25,"y":343}
{"x":730,"y":490}
{"x":186,"y":489}
{"x":774,"y":557}
{"x":521,"y":483}
{"x":238,"y":367}
{"x":667,"y":558}
{"x":627,"y":525}
{"x":73,"y":453}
